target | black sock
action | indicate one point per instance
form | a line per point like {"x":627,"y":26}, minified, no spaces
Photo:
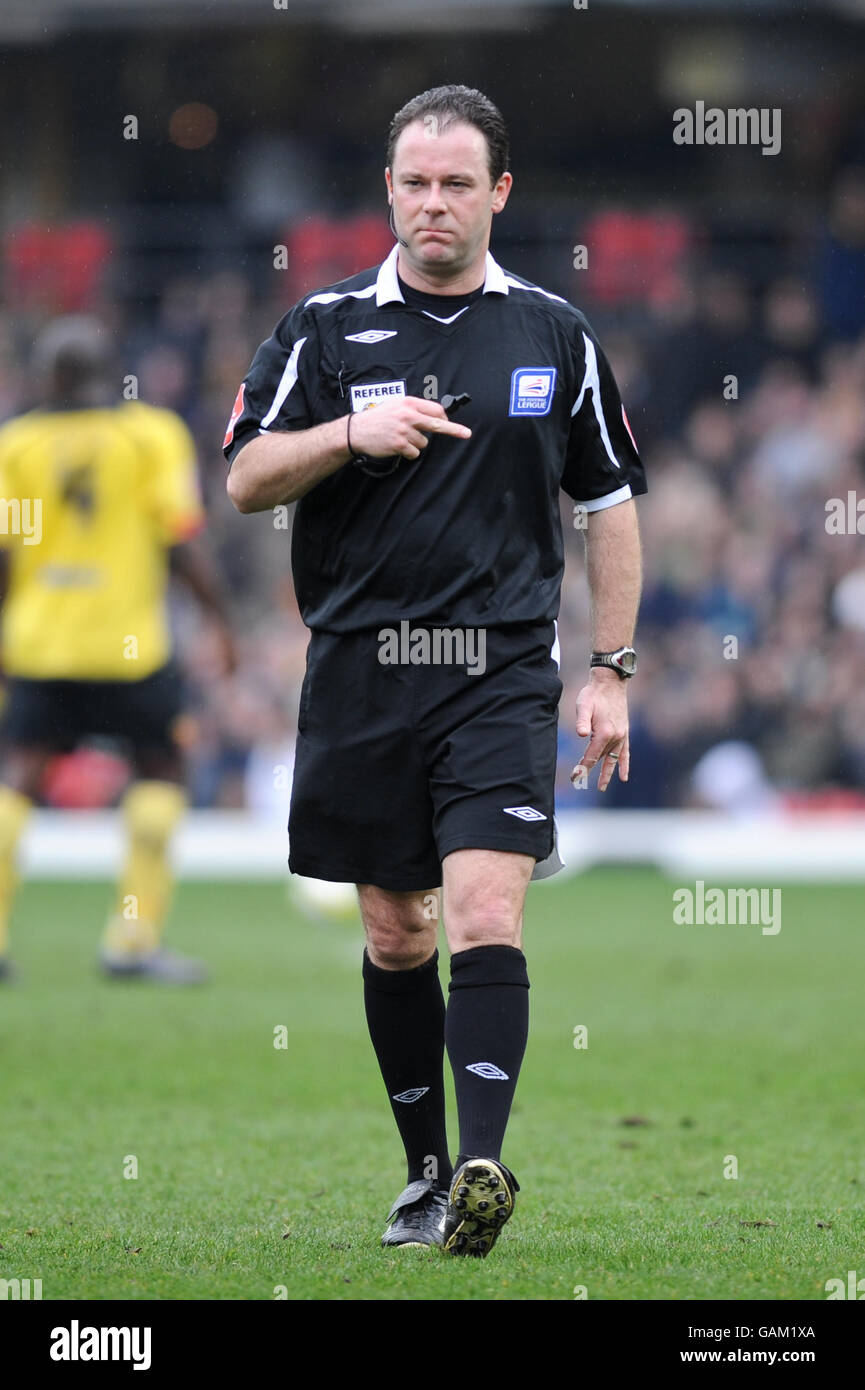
{"x":486,"y":1029}
{"x":405,"y":1011}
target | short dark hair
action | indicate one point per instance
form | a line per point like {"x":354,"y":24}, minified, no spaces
{"x":455,"y":103}
{"x":75,"y":348}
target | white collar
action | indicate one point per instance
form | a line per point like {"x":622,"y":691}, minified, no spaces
{"x":387,"y":285}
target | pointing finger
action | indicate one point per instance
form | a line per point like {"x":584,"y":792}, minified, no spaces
{"x":445,"y":427}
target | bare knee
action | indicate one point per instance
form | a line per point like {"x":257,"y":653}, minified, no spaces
{"x":401,"y":928}
{"x":489,"y":922}
{"x":484,"y":893}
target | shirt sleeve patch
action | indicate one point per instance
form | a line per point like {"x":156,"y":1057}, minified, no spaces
{"x":236,"y":412}
{"x":628,"y":427}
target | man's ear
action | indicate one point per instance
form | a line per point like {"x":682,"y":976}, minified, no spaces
{"x":503,"y":188}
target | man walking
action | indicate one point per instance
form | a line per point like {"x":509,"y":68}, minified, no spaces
{"x":112,"y":488}
{"x":428,"y":557}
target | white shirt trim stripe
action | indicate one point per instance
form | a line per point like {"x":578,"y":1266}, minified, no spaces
{"x":286,"y":384}
{"x":330,"y":296}
{"x":452,"y":318}
{"x":592,"y":381}
{"x":535,"y":289}
{"x":600,"y":504}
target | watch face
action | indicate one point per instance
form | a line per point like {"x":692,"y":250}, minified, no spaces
{"x":627,"y":661}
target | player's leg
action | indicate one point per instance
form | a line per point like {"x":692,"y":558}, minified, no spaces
{"x":488,"y":1006}
{"x":21,"y":774}
{"x":152,"y":808}
{"x":492,"y":748}
{"x":361,"y":813}
{"x":405,"y":1013}
{"x":38,"y":722}
{"x":486,"y":1030}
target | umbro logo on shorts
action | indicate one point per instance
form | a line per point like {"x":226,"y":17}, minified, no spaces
{"x":488,"y":1070}
{"x":414,"y":1094}
{"x":372,"y":335}
{"x":524,"y":812}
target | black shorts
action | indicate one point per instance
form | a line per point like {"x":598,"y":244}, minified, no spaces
{"x":397,"y":765}
{"x":60,"y":713}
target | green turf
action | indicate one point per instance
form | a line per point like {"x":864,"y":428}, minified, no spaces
{"x":261,"y":1168}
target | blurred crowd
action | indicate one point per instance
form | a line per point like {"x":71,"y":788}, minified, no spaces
{"x":747,"y":401}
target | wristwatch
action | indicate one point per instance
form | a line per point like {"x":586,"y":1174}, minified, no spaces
{"x":623,"y":661}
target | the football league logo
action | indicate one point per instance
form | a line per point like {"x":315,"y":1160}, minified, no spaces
{"x":532,"y":390}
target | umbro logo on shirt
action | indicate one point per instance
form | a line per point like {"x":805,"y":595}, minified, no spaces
{"x":372,"y":335}
{"x":524,"y":812}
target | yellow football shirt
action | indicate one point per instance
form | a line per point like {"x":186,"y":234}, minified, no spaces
{"x":90,"y":502}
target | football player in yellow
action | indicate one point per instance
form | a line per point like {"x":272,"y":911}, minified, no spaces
{"x":98,"y":504}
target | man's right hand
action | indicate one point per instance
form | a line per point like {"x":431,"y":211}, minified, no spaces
{"x":401,"y":426}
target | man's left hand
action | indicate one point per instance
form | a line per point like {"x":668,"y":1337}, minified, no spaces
{"x":602,"y":717}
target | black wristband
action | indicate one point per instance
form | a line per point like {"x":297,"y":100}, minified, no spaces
{"x":355,"y":457}
{"x":373,"y":467}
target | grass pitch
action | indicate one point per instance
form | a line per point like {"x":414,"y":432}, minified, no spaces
{"x":268,"y":1171}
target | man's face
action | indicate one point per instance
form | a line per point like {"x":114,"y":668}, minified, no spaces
{"x":442,"y":198}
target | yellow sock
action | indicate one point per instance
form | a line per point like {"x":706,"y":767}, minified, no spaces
{"x":14,"y":810}
{"x":151,"y":811}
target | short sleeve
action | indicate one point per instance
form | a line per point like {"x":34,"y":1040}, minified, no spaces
{"x":274,"y":394}
{"x":175,"y":498}
{"x":602,"y":465}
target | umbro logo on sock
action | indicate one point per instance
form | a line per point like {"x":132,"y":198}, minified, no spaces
{"x":524,"y":812}
{"x":414,"y":1094}
{"x":488,"y":1070}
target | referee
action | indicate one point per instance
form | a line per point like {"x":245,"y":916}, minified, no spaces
{"x":424,"y":415}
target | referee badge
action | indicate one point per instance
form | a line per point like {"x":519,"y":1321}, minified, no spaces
{"x":532,"y":390}
{"x":373,"y":392}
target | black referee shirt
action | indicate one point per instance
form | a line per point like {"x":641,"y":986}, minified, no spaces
{"x":469,"y":534}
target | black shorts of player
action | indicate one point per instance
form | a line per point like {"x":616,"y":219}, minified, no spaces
{"x":58,"y":714}
{"x":398,"y":764}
